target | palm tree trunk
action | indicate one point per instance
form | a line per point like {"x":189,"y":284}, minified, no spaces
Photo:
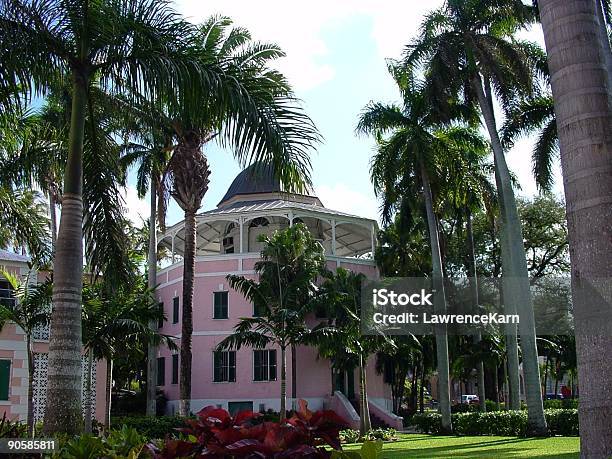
{"x":283,"y":375}
{"x":496,"y":385}
{"x":583,"y":111}
{"x":88,"y":407}
{"x":473,"y":279}
{"x":515,"y":276}
{"x":30,"y":415}
{"x":187,"y":317}
{"x":422,"y":390}
{"x":365,"y":424}
{"x":293,"y":376}
{"x":52,"y":220}
{"x":64,"y":384}
{"x":545,"y":389}
{"x":109,"y":393}
{"x":152,"y":282}
{"x":439,"y":306}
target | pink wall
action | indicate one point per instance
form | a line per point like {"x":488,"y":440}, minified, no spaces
{"x":313,"y":374}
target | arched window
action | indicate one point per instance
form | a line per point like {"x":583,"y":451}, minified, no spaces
{"x":259,"y":221}
{"x":230,"y":228}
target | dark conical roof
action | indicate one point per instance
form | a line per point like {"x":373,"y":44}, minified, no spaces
{"x":257,"y":178}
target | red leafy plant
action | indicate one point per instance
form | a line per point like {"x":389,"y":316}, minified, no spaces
{"x":215,"y":434}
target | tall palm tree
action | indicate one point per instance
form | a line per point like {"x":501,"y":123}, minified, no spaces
{"x":31,"y":310}
{"x":469,"y":48}
{"x":581,"y":92}
{"x":468,"y":191}
{"x":291,"y":261}
{"x":263,"y":123}
{"x":404,"y":166}
{"x":152,"y":157}
{"x":139,"y":44}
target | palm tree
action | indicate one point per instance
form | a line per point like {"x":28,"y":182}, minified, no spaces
{"x":138,"y":44}
{"x":263,"y":123}
{"x":152,"y":156}
{"x":23,"y":222}
{"x":468,"y":192}
{"x":581,"y":92}
{"x":114,"y":317}
{"x":342,"y":342}
{"x":469,"y":48}
{"x":28,"y":312}
{"x":535,"y":114}
{"x":291,"y":261}
{"x":403,"y":167}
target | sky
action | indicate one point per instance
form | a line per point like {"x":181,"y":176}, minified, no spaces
{"x":335,"y":60}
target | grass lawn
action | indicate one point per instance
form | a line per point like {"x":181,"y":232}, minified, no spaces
{"x":431,"y":446}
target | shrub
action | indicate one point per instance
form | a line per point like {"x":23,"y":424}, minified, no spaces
{"x":151,"y":427}
{"x":429,"y":422}
{"x":465,"y":408}
{"x":567,"y":403}
{"x":562,"y":422}
{"x":121,"y":443}
{"x":510,"y":423}
{"x":381,"y":434}
{"x":349,"y":436}
{"x":12,"y":429}
{"x":217,"y":434}
{"x":491,"y":405}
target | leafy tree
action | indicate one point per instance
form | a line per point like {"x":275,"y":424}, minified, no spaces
{"x":29,"y":311}
{"x":283,"y":295}
{"x":469,"y":48}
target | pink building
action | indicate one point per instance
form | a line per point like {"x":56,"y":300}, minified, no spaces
{"x":14,"y":361}
{"x":226,"y":240}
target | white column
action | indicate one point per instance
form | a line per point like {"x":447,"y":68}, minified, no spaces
{"x":290,"y":218}
{"x":173,"y":234}
{"x":373,"y":241}
{"x":333,"y":242}
{"x":241,"y":225}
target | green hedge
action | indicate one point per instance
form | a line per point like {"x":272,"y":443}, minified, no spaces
{"x":150,"y":427}
{"x":508,"y":423}
{"x":562,"y":404}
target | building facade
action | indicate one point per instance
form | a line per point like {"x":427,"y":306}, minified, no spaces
{"x":227,"y":243}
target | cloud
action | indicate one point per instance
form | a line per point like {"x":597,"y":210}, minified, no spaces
{"x":137,"y":209}
{"x":341,"y":198}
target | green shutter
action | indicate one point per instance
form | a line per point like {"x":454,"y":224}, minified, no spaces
{"x":5,"y":378}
